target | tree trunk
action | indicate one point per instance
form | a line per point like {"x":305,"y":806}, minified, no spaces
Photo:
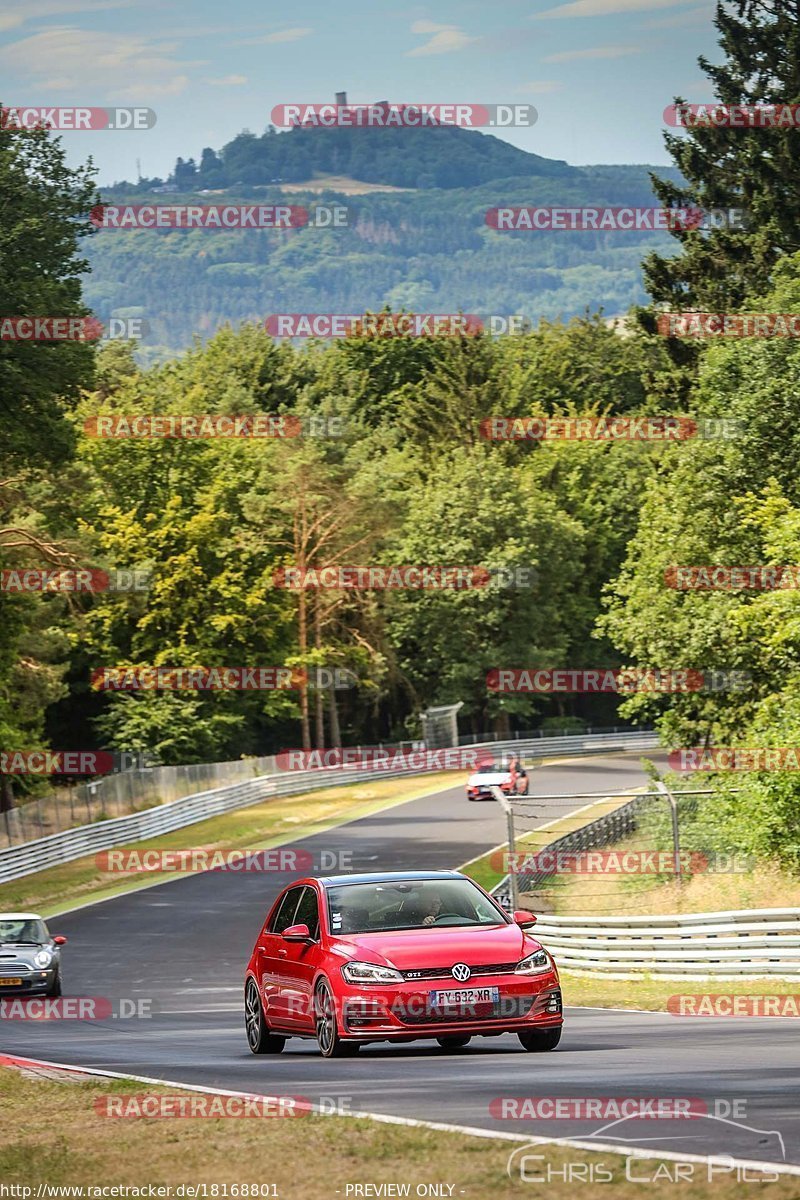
{"x":333,"y":719}
{"x":6,"y":794}
{"x":319,"y":697}
{"x":302,"y":640}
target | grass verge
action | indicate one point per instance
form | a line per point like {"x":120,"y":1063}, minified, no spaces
{"x":52,"y":1135}
{"x":256,"y":827}
{"x":651,"y":993}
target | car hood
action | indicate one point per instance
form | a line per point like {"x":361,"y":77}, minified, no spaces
{"x":413,"y":948}
{"x":11,"y":953}
{"x":488,"y":778}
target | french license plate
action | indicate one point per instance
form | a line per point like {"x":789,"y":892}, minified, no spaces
{"x":10,"y":982}
{"x":459,"y":996}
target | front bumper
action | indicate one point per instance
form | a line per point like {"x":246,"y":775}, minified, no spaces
{"x":406,"y":1010}
{"x":32,"y":984}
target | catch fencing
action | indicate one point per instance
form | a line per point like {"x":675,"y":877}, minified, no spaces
{"x":19,"y":860}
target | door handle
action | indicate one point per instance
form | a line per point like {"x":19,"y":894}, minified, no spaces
{"x":282,"y":953}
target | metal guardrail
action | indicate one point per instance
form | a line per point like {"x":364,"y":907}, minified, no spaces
{"x":739,"y":942}
{"x":25,"y":859}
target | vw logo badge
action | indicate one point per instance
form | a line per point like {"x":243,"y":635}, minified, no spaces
{"x":461,"y":972}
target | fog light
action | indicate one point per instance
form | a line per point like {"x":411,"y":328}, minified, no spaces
{"x":553,"y":1003}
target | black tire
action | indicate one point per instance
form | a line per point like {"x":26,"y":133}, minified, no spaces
{"x":259,"y":1038}
{"x":55,"y":988}
{"x":454,"y":1041}
{"x":328,"y":1039}
{"x":539,"y":1040}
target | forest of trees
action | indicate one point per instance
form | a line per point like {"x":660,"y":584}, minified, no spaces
{"x":431,"y":251}
{"x":408,"y":479}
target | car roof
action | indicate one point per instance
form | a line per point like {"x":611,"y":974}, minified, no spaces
{"x":19,"y":917}
{"x":388,"y":877}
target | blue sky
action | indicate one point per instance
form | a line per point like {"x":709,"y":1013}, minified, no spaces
{"x":600,"y":72}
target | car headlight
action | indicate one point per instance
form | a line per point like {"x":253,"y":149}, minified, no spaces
{"x":535,"y":964}
{"x":43,"y":958}
{"x":362,"y":972}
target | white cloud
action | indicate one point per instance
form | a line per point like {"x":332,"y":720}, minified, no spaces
{"x":538,"y":87}
{"x":695,"y":16}
{"x":36,"y":10}
{"x":445,"y":39}
{"x":281,"y":35}
{"x":115,"y":66}
{"x":228,"y":81}
{"x":594,"y":52}
{"x":603,"y":8}
{"x":429,"y":27}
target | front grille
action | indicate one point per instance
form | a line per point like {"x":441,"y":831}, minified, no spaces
{"x":13,"y":969}
{"x":447,"y":973}
{"x":506,"y":1008}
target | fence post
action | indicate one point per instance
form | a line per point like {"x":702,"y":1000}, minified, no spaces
{"x":512,"y":846}
{"x":676,"y":845}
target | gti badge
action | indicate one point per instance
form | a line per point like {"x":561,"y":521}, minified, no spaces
{"x":461,"y":972}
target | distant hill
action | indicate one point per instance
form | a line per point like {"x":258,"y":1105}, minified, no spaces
{"x":428,"y":249}
{"x":442,"y":156}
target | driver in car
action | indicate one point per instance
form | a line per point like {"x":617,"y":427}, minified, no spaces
{"x":433,"y":906}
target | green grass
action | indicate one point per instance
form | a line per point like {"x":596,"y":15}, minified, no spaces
{"x":270,"y":823}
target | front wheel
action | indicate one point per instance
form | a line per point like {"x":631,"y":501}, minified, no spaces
{"x":538,"y":1040}
{"x":55,"y":988}
{"x":330,"y":1044}
{"x":259,"y":1038}
{"x":455,"y":1041}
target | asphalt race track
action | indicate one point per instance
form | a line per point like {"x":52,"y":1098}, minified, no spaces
{"x":184,"y":946}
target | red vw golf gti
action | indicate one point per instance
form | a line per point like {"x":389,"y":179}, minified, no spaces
{"x":353,"y":959}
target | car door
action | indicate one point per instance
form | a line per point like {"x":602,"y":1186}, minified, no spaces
{"x":299,"y":965}
{"x":272,"y":951}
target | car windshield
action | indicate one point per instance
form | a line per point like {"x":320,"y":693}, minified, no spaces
{"x":409,"y":904}
{"x":17,"y":929}
{"x":500,"y":763}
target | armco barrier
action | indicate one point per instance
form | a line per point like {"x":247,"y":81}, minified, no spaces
{"x":32,"y":856}
{"x":753,"y":942}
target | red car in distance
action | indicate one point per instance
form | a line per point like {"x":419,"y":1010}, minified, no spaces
{"x":352,"y":959}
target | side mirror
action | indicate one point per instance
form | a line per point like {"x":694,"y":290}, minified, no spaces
{"x":523,"y":918}
{"x":296,"y":933}
{"x":59,"y":940}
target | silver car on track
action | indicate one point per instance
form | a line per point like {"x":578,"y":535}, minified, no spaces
{"x":30,"y":959}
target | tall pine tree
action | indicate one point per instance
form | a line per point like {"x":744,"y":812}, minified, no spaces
{"x":753,"y":169}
